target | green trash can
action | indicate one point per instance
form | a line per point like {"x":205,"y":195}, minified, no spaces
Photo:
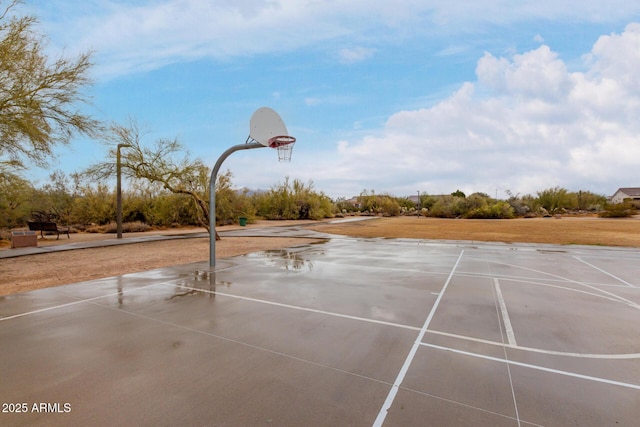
{"x":243,"y":221}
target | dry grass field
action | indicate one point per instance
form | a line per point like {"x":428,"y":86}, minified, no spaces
{"x":564,"y":231}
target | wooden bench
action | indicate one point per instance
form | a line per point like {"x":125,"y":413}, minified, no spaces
{"x":49,"y":227}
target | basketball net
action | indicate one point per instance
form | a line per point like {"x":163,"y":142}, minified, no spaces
{"x":284,"y":144}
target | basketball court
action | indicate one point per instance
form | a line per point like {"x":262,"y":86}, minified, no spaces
{"x":361,"y":332}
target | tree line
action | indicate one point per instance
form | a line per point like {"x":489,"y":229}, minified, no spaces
{"x":551,"y":201}
{"x":81,"y":202}
{"x":85,"y":204}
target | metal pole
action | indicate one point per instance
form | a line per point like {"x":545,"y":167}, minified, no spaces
{"x":119,"y":191}
{"x":212,"y":196}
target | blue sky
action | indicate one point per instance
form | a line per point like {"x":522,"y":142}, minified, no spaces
{"x":398,"y":97}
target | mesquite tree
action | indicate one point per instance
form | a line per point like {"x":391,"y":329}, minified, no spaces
{"x":166,"y":162}
{"x":39,"y":96}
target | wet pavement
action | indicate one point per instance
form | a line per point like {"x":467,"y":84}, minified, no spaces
{"x":362,"y":332}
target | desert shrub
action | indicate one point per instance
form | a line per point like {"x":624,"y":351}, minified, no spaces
{"x":368,"y":201}
{"x":342,"y":205}
{"x":127,"y":227}
{"x":588,"y":201}
{"x":225,"y":200}
{"x":167,"y":209}
{"x":448,"y":207}
{"x":388,"y":206}
{"x":320,"y":206}
{"x":277,"y":203}
{"x":243,"y":206}
{"x":16,"y":194}
{"x":556,"y":199}
{"x":96,"y":206}
{"x":427,"y":202}
{"x":58,"y":196}
{"x":405,"y":203}
{"x":293,"y":200}
{"x":476,"y":201}
{"x":619,"y":210}
{"x":383,"y":204}
{"x":5,"y":234}
{"x":521,"y":206}
{"x":497,"y":210}
{"x":441,"y":208}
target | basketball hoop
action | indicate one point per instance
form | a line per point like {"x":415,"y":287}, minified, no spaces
{"x":264,"y":124}
{"x":284,"y":145}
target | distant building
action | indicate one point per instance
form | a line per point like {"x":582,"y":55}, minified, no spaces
{"x":414,"y":200}
{"x":623,"y":194}
{"x":354,"y":201}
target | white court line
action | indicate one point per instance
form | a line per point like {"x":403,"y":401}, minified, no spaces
{"x":622,"y":356}
{"x":405,"y":367}
{"x":297,"y":307}
{"x":414,"y":328}
{"x":55,"y":307}
{"x":245,"y":344}
{"x":550,"y":280}
{"x":466,"y":405}
{"x":618,"y":297}
{"x":564,"y":288}
{"x":604,"y":272}
{"x":536,"y":367}
{"x":505,"y":314}
{"x":505,"y":321}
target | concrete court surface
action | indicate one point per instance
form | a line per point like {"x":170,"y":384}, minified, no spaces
{"x":351,"y":332}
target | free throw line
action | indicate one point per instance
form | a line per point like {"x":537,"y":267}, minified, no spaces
{"x":405,"y":367}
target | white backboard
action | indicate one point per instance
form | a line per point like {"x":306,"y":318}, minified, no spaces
{"x":265,"y":124}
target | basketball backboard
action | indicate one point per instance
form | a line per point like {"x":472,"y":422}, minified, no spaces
{"x":266,"y":124}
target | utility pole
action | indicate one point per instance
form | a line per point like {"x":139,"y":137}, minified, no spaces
{"x":119,"y":191}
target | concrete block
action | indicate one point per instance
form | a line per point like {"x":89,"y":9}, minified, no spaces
{"x":23,"y":239}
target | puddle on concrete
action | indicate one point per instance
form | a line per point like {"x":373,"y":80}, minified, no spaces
{"x":200,"y":283}
{"x":285,"y":259}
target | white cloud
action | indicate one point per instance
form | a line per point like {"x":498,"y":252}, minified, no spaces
{"x":357,"y":54}
{"x":453,"y":50}
{"x":135,"y":36}
{"x":616,"y":57}
{"x":312,"y":101}
{"x":537,"y":74}
{"x":527,"y":124}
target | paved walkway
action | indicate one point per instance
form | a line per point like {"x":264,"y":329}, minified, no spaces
{"x":269,"y":231}
{"x":16,"y":252}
